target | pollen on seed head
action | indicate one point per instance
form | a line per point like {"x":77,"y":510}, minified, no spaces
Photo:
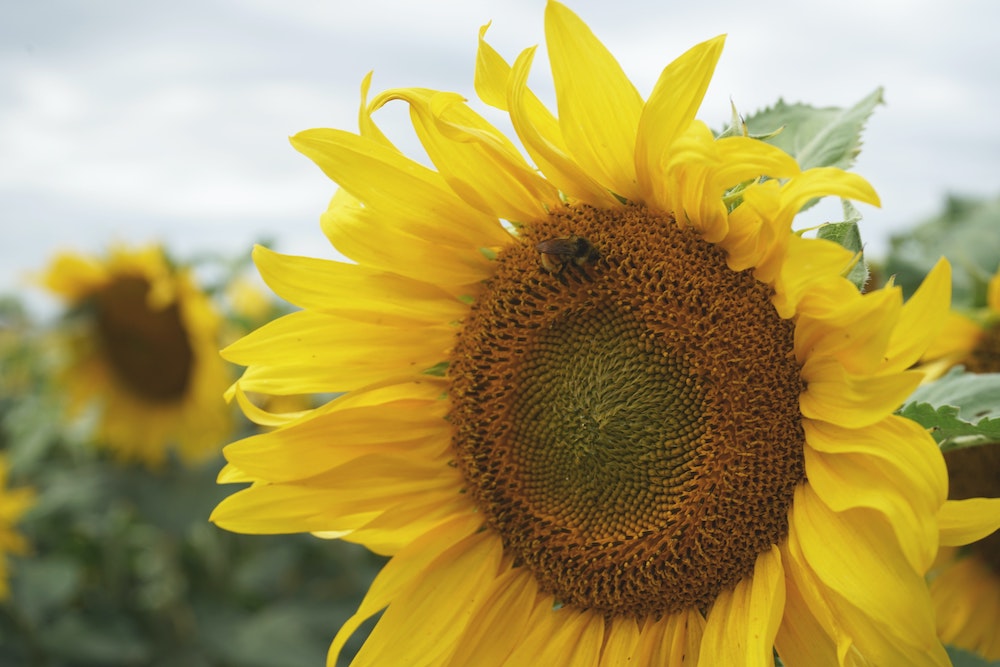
{"x":631,"y":431}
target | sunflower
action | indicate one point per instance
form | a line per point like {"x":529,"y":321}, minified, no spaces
{"x":13,"y":504}
{"x":965,"y":583}
{"x":142,"y":340}
{"x":609,"y":410}
{"x":972,"y":340}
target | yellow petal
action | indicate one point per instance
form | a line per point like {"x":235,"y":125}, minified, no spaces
{"x":806,"y":262}
{"x":256,"y":414}
{"x":834,"y":395}
{"x":492,"y":72}
{"x":993,"y":293}
{"x":74,"y":277}
{"x":675,"y":641}
{"x":959,"y":336}
{"x":386,"y":533}
{"x":599,"y":108}
{"x":306,"y":448}
{"x":881,"y":603}
{"x":622,"y":646}
{"x":383,"y":243}
{"x":307,"y":506}
{"x":543,"y":623}
{"x":232,"y":475}
{"x":894,"y":444}
{"x":395,"y":186}
{"x":576,"y":640}
{"x":541,"y":135}
{"x":808,"y":634}
{"x":921,"y":321}
{"x":355,"y":291}
{"x":689,"y":187}
{"x":756,"y":238}
{"x":851,"y":327}
{"x":478,"y":162}
{"x":824,"y":181}
{"x":700,"y":169}
{"x":506,"y":89}
{"x":845,"y":481}
{"x":366,"y":125}
{"x":965,"y":521}
{"x":405,"y":570}
{"x":307,"y":352}
{"x":671,"y":107}
{"x":967,"y":599}
{"x":502,"y":621}
{"x":423,"y":622}
{"x":741,"y":626}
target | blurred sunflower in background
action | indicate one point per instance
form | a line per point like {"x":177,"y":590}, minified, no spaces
{"x":13,"y":504}
{"x":141,"y":343}
{"x":965,"y":582}
{"x":970,"y":339}
{"x":610,"y":409}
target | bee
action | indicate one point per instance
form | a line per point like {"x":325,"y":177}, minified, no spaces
{"x":556,"y":253}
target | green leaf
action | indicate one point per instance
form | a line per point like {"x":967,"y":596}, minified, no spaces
{"x":96,"y":639}
{"x":826,"y":137}
{"x":437,"y":370}
{"x":950,"y":431}
{"x":280,"y":635}
{"x":847,"y":235}
{"x":977,"y":395}
{"x":737,"y":126}
{"x":43,"y":584}
{"x":961,"y":409}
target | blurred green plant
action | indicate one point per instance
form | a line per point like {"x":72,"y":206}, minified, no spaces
{"x":966,"y":232}
{"x":125,"y":568}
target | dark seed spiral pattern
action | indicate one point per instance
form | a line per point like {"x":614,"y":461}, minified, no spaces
{"x":630,"y":426}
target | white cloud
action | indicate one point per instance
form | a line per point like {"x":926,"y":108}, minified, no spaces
{"x":170,"y":120}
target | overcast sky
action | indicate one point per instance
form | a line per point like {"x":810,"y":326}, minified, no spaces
{"x":136,"y":121}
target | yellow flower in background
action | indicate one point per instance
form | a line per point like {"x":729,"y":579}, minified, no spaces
{"x":965,"y":583}
{"x":13,"y":504}
{"x":609,"y":410}
{"x":972,"y":341}
{"x":248,"y":301}
{"x":143,"y":343}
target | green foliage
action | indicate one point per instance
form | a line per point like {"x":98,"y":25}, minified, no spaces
{"x":966,"y":232}
{"x":961,"y":409}
{"x":816,"y":137}
{"x":125,"y":568}
{"x":960,"y":658}
{"x":847,"y":235}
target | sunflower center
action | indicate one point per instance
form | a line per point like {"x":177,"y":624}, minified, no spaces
{"x":974,"y":472}
{"x":147,"y":349}
{"x":625,"y":412}
{"x":985,"y":357}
